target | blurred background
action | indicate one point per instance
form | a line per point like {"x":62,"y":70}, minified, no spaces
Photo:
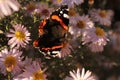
{"x":105,"y":65}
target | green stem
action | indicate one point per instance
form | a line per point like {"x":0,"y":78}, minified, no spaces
{"x":9,"y":76}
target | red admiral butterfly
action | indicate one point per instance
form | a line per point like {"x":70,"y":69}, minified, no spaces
{"x":53,"y":31}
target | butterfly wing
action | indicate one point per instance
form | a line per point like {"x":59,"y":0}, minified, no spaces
{"x":52,"y":31}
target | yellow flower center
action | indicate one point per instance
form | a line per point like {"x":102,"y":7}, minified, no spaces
{"x":30,"y":7}
{"x":72,"y":12}
{"x":81,"y":24}
{"x":99,"y":31}
{"x":10,"y":63}
{"x":38,"y":75}
{"x":59,"y":1}
{"x":91,"y":2}
{"x":102,"y":13}
{"x":20,"y":35}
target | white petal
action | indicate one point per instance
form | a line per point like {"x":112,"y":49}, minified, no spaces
{"x":5,"y":9}
{"x":14,"y":5}
{"x":83,"y":72}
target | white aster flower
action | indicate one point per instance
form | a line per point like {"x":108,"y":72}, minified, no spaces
{"x":103,"y":17}
{"x":71,"y":3}
{"x":96,"y":39}
{"x":19,"y":36}
{"x":32,"y":72}
{"x":80,"y":75}
{"x":8,"y":6}
{"x":10,"y":61}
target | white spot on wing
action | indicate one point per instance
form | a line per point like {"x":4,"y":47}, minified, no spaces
{"x":65,"y":16}
{"x":67,"y":9}
{"x":61,"y":12}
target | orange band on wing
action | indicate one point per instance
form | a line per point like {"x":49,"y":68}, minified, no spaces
{"x":57,"y":18}
{"x":52,"y":48}
{"x":41,"y":32}
{"x":42,"y":24}
{"x":35,"y":43}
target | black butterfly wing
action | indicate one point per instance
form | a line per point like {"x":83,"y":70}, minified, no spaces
{"x":53,"y":30}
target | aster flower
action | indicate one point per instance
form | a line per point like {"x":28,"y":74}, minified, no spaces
{"x":73,"y":16}
{"x":80,"y":75}
{"x":57,"y":2}
{"x":96,"y":47}
{"x":83,"y":24}
{"x":71,"y":3}
{"x":103,"y":17}
{"x":8,"y":6}
{"x":114,"y":36}
{"x":10,"y":61}
{"x":38,"y":9}
{"x":19,"y":36}
{"x":65,"y":51}
{"x":30,"y":9}
{"x":106,"y":63}
{"x":97,"y":39}
{"x":74,"y":31}
{"x":43,"y":9}
{"x":32,"y":72}
{"x":27,"y":62}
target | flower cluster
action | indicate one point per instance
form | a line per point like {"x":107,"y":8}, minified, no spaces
{"x":21,"y":61}
{"x":11,"y":61}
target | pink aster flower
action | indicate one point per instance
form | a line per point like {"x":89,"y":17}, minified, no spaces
{"x":103,"y":17}
{"x":10,"y":61}
{"x":73,"y":16}
{"x":27,"y":62}
{"x":30,"y":9}
{"x":71,"y":3}
{"x":43,"y":9}
{"x":8,"y":6}
{"x":80,"y":75}
{"x":83,"y":24}
{"x":65,"y":51}
{"x":32,"y":72}
{"x":96,"y":47}
{"x":19,"y":36}
{"x":57,"y":2}
{"x":96,"y":39}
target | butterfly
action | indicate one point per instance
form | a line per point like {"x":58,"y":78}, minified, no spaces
{"x":53,"y":30}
